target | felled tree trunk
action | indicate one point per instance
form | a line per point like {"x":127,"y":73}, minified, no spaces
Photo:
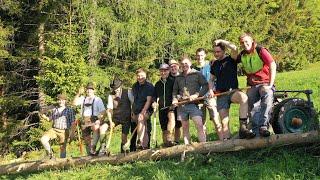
{"x":156,"y":154}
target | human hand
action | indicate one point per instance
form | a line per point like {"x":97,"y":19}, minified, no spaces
{"x":211,"y":93}
{"x":175,"y":102}
{"x":81,"y":90}
{"x":193,"y":97}
{"x":155,"y":105}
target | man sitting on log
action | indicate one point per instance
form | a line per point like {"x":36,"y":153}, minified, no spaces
{"x":119,"y":110}
{"x":92,"y":113}
{"x":62,"y":117}
{"x":189,"y":85}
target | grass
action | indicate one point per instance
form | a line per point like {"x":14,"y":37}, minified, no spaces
{"x":270,"y":163}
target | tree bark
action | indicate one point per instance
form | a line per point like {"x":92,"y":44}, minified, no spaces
{"x":156,"y":154}
{"x":93,"y":40}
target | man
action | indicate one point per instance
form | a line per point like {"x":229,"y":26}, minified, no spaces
{"x":224,"y":69}
{"x":92,"y":113}
{"x":210,"y":103}
{"x":174,"y":72}
{"x":163,"y":98}
{"x":189,"y":85}
{"x":141,"y":109}
{"x":260,"y":69}
{"x":62,"y":117}
{"x":119,"y":109}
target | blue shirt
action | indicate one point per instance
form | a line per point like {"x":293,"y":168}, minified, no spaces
{"x":205,"y":70}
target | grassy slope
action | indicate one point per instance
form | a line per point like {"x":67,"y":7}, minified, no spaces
{"x":279,"y":163}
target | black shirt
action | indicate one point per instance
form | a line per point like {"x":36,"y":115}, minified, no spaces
{"x":225,"y":71}
{"x":140,"y":93}
{"x":163,"y":91}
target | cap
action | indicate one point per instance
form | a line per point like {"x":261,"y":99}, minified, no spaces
{"x":116,"y":83}
{"x":62,"y":96}
{"x":172,"y":61}
{"x":164,"y":66}
{"x":90,"y":86}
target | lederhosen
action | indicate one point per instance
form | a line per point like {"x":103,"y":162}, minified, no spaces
{"x":88,"y":119}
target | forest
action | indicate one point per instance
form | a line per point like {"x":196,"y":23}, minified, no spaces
{"x":53,"y":46}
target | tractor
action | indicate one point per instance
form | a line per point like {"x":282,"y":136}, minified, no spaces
{"x":292,"y":114}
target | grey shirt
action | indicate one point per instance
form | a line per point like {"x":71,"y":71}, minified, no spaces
{"x":192,"y":83}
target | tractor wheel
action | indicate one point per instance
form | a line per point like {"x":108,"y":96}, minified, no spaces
{"x":296,"y":116}
{"x":275,"y":116}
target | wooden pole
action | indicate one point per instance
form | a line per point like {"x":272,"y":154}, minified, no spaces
{"x":156,"y":154}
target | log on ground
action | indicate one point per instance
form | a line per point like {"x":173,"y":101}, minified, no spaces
{"x":156,"y":154}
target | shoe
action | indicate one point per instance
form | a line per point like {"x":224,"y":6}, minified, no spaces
{"x":244,"y":132}
{"x":264,"y":132}
{"x":170,"y":144}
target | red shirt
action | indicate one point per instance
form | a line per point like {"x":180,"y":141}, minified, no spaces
{"x":263,"y":75}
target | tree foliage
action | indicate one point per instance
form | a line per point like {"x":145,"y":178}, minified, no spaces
{"x":96,"y":40}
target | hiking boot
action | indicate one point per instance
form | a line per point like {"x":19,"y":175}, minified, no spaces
{"x":169,"y":144}
{"x":264,"y":132}
{"x":93,"y":151}
{"x":244,"y":132}
{"x":102,"y":150}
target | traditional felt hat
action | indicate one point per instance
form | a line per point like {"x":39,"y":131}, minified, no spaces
{"x":116,"y":83}
{"x":90,"y":86}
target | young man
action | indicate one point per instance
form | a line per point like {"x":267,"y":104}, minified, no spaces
{"x":141,"y":109}
{"x":119,"y":109}
{"x":260,"y":69}
{"x":163,"y":98}
{"x":92,"y":113}
{"x":190,"y":85}
{"x":210,"y":103}
{"x":224,"y":70}
{"x":174,"y":72}
{"x":62,"y":117}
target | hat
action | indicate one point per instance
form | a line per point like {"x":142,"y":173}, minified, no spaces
{"x":116,"y":83}
{"x":164,"y":66}
{"x":62,"y":96}
{"x":90,"y":86}
{"x":172,"y":61}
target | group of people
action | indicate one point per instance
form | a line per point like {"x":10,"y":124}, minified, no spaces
{"x":181,"y":93}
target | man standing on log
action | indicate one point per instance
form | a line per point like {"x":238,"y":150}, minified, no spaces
{"x":189,"y":85}
{"x":92,"y":113}
{"x":62,"y":117}
{"x":174,"y":72}
{"x":210,"y":102}
{"x":163,"y":92}
{"x":143,"y":92}
{"x":224,"y":70}
{"x":119,"y":109}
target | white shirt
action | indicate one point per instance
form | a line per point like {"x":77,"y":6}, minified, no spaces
{"x":98,"y":106}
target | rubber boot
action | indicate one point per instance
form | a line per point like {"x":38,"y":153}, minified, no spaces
{"x":244,"y":132}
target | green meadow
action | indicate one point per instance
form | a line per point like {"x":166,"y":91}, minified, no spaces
{"x":293,"y":162}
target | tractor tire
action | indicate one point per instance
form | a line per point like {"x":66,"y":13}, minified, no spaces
{"x":275,"y":116}
{"x":295,"y":115}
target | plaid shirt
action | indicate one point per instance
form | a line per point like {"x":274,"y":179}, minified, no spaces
{"x":64,"y":119}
